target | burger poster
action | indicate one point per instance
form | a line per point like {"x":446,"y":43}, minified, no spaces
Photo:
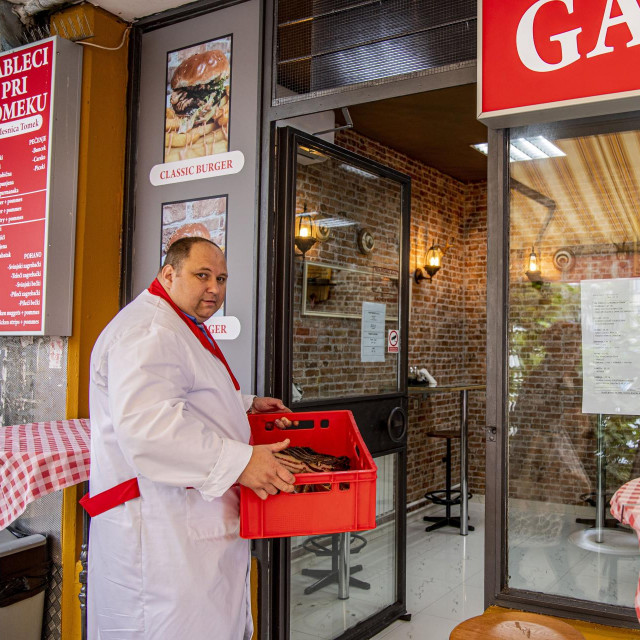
{"x":202,"y":218}
{"x":197,"y":115}
{"x":198,"y":100}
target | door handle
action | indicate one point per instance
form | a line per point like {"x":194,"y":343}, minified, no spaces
{"x":397,"y":421}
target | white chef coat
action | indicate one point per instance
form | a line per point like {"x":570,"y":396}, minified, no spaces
{"x":168,"y":565}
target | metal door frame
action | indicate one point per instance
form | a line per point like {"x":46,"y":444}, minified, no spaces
{"x":279,"y":364}
{"x":281,"y":561}
{"x":278,"y":289}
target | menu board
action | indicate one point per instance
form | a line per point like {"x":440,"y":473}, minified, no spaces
{"x":610,"y":346}
{"x":27,"y":78}
{"x":25,"y":109}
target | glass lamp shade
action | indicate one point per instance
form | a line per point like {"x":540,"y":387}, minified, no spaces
{"x":433,"y":260}
{"x":304,"y":236}
{"x":533,"y":271}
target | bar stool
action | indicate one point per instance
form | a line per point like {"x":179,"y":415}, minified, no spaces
{"x":514,"y":625}
{"x":339,"y":546}
{"x":447,"y":496}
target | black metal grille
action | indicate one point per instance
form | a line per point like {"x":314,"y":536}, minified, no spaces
{"x":326,"y":45}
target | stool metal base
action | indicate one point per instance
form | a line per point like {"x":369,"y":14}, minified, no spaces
{"x":443,"y":521}
{"x":449,"y":497}
{"x":327,"y":577}
{"x":339,"y":547}
{"x":610,"y":523}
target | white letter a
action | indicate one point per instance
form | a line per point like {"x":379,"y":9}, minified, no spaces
{"x":630,"y":15}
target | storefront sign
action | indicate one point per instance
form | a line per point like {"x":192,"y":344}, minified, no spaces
{"x":38,"y":82}
{"x":610,"y":349}
{"x":25,"y":101}
{"x":553,"y":59}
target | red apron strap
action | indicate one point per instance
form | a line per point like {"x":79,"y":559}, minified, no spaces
{"x":101,"y":502}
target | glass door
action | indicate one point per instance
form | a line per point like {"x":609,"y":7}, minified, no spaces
{"x":342,"y":299}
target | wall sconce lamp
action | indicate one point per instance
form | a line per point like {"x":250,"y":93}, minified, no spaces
{"x":433,"y":262}
{"x":533,"y":271}
{"x":305,"y":236}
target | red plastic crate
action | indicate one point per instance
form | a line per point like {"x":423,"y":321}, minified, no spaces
{"x":350,"y":505}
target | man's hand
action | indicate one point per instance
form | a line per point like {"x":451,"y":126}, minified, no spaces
{"x":264,"y":474}
{"x":271,"y":405}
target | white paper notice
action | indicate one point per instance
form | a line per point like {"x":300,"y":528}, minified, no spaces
{"x":374,"y":339}
{"x":56,"y":349}
{"x":611,"y":346}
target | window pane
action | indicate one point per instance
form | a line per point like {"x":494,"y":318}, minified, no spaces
{"x":573,"y":219}
{"x":345,"y":266}
{"x":322,"y":605}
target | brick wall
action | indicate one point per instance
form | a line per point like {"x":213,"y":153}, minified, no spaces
{"x":448,"y":315}
{"x":551,"y":443}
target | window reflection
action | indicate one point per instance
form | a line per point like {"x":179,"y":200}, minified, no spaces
{"x":351,"y":263}
{"x":577,"y":213}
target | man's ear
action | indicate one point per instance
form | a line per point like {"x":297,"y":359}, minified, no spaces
{"x":167,"y":274}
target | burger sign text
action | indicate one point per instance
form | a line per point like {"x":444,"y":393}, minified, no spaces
{"x":219,"y":164}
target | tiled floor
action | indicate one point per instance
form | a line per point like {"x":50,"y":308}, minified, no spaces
{"x":550,"y":552}
{"x":444,"y":584}
{"x":445,"y":573}
{"x":445,"y":579}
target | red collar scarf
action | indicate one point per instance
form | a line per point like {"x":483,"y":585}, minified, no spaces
{"x":158,"y":290}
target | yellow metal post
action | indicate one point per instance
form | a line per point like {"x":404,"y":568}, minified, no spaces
{"x":98,"y":233}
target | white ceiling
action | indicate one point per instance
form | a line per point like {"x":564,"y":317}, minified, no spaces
{"x":130,"y":10}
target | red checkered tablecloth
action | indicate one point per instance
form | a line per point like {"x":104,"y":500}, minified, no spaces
{"x":39,"y":458}
{"x":625,"y":507}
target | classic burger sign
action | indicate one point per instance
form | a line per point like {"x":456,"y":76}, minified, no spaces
{"x":553,"y":59}
{"x":197,"y":117}
{"x":207,"y":167}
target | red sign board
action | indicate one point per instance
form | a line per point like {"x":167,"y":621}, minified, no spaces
{"x":538,"y":55}
{"x":25,"y":117}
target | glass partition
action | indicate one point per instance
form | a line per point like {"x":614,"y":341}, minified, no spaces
{"x":573,"y":364}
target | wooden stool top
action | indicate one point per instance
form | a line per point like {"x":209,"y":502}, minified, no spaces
{"x":514,"y":625}
{"x":450,"y":433}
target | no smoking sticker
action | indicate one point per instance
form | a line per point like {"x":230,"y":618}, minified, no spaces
{"x":393,"y":340}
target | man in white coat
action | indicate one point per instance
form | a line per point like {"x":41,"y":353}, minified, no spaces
{"x":169,"y":445}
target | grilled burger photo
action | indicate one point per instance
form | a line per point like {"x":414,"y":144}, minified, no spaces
{"x":197,"y":115}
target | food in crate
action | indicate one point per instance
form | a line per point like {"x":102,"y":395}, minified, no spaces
{"x":306,"y":460}
{"x":337,"y":492}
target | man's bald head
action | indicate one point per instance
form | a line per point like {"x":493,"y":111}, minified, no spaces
{"x":180,"y":250}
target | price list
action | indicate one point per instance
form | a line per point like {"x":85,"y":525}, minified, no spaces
{"x":25,"y":93}
{"x":610,"y":348}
